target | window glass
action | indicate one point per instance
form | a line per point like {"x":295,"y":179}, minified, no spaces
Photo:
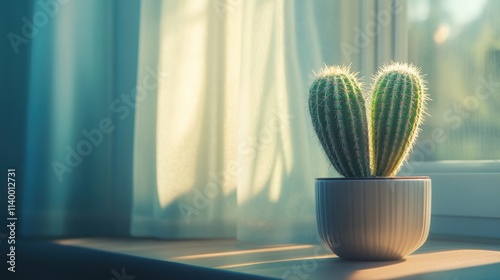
{"x":457,"y":45}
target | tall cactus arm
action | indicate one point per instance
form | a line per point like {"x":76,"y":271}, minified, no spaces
{"x":338,"y":113}
{"x":397,"y":109}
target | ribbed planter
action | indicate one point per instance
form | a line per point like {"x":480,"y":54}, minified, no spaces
{"x":373,"y":218}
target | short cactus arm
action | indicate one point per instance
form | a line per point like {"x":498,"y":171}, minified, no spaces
{"x":397,"y":108}
{"x":338,"y":113}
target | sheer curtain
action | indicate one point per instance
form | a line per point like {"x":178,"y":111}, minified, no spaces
{"x":202,"y":107}
{"x":223,"y":144}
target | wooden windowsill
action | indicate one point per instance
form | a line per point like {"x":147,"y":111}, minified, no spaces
{"x":231,"y":259}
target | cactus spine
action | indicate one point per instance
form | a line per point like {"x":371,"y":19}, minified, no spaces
{"x":361,"y":147}
{"x":338,"y":113}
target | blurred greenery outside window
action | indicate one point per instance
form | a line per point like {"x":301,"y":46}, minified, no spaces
{"x":457,"y":45}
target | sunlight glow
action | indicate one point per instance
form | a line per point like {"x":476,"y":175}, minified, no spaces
{"x":460,"y":11}
{"x":181,"y":103}
{"x":276,"y":261}
{"x":242,"y":252}
{"x":420,"y":10}
{"x":425,"y":263}
{"x":464,"y":11}
{"x":442,"y":33}
{"x":73,"y":241}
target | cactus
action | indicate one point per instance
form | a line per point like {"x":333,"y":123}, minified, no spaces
{"x":338,"y":113}
{"x":397,"y":107}
{"x":361,"y":147}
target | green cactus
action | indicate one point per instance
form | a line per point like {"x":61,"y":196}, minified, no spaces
{"x":397,"y":106}
{"x":361,"y":147}
{"x":338,"y":113}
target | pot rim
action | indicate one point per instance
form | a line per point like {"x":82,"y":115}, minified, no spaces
{"x":375,"y":178}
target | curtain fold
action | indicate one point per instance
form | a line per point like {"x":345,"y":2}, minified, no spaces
{"x":72,"y":127}
{"x":186,"y":126}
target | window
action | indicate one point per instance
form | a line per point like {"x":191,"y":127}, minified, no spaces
{"x":457,"y":44}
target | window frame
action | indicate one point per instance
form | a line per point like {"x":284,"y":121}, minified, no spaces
{"x":465,"y":197}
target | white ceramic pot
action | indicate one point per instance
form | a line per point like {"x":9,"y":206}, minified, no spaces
{"x":373,"y":218}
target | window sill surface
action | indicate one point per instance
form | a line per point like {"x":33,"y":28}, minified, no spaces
{"x":232,"y":259}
